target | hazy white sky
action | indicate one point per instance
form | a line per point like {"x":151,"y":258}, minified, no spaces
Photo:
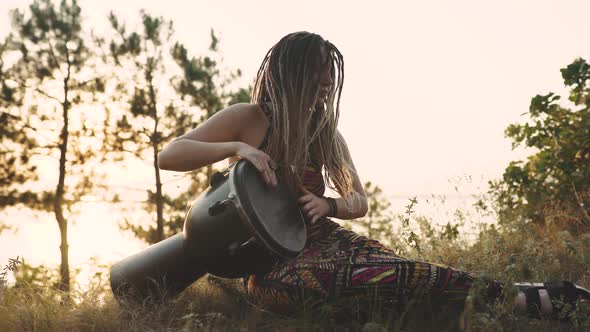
{"x":429,"y":87}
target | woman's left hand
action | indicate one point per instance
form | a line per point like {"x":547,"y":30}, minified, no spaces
{"x":313,"y":207}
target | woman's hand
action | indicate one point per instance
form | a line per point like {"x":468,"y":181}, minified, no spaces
{"x":265,"y":165}
{"x":313,"y":207}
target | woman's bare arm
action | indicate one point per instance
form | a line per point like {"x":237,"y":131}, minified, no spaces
{"x":230,"y":132}
{"x":186,"y":155}
{"x":355,"y":204}
{"x":216,"y":139}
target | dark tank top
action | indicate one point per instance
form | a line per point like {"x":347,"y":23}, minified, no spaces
{"x":313,"y":179}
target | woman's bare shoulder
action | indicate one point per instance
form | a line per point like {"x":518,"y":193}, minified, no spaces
{"x":245,"y":111}
{"x":229,"y":124}
{"x":253,"y":121}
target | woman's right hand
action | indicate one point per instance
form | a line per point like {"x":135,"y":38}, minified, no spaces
{"x":260,"y":160}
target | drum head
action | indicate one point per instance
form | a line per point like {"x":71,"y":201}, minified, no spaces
{"x":273,"y":212}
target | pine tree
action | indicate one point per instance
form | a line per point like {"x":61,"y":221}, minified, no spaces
{"x":166,"y":93}
{"x":52,"y":76}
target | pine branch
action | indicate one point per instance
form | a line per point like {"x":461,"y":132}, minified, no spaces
{"x":24,"y":85}
{"x":26,"y":125}
{"x":52,"y":53}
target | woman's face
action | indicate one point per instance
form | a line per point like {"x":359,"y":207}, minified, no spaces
{"x":325,"y":76}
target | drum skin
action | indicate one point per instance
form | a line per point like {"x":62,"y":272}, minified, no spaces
{"x":250,"y":226}
{"x":273,"y":213}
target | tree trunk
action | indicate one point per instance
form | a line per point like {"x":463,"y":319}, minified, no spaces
{"x":156,"y":145}
{"x":59,"y":195}
{"x":63,"y":229}
{"x":159,"y":198}
{"x":65,"y":261}
{"x":209,"y":174}
{"x":209,"y":171}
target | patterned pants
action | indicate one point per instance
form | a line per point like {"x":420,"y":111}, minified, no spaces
{"x":339,"y":264}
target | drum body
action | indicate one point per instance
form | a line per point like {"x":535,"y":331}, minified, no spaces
{"x":240,"y":226}
{"x":237,"y":227}
{"x":162,"y":270}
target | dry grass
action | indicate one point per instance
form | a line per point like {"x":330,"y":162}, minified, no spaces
{"x":222,"y":306}
{"x":517,"y":253}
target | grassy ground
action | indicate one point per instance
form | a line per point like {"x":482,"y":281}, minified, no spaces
{"x":520,"y":252}
{"x":220,"y":305}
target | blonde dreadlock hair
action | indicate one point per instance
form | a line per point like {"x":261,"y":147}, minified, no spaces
{"x":304,"y":133}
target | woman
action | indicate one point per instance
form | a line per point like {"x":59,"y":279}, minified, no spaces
{"x":291,"y":126}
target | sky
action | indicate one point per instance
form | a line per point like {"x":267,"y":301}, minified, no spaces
{"x":430,"y":86}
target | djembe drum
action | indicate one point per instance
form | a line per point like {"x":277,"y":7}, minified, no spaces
{"x":236,"y":227}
